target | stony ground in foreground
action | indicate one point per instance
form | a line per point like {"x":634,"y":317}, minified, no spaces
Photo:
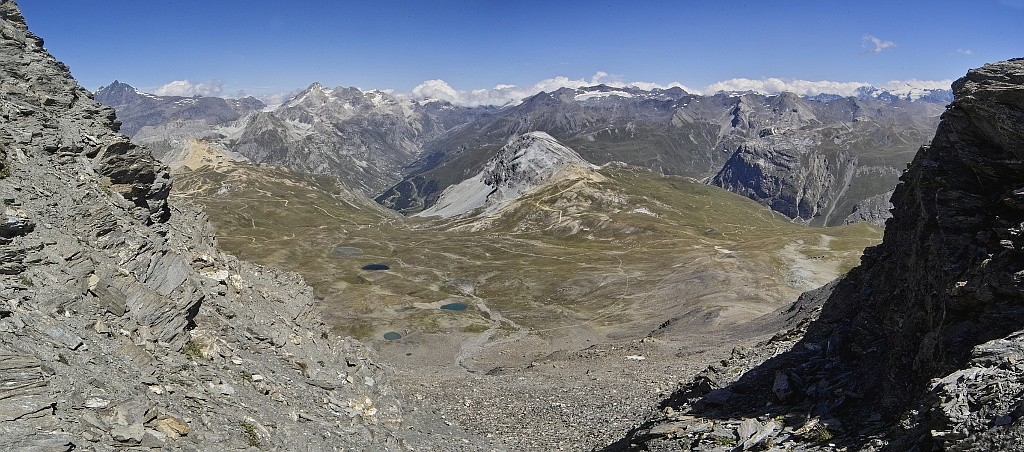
{"x":569,"y":401}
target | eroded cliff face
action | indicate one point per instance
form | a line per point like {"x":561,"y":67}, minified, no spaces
{"x":824,"y":169}
{"x":121,"y":323}
{"x":920,"y":346}
{"x":788,"y":177}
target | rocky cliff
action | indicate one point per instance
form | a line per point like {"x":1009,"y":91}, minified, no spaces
{"x":824,"y":162}
{"x":920,"y":347}
{"x":122,"y":325}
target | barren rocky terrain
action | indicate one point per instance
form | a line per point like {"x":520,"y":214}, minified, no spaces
{"x":123,"y":326}
{"x":592,"y":307}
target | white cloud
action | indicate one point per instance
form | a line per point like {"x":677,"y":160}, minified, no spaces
{"x":274,"y":100}
{"x":914,"y":88}
{"x":187,"y":88}
{"x":437,"y":89}
{"x":776,"y":85}
{"x":964,"y":51}
{"x":875,"y":45}
{"x":504,"y":94}
{"x":911,"y":87}
{"x":1015,"y":4}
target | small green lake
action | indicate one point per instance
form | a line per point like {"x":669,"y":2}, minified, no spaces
{"x":341,"y":251}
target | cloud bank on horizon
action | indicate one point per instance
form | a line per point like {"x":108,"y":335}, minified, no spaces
{"x":511,"y":94}
{"x":505,"y":94}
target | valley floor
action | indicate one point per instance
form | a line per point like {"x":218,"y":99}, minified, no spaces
{"x":557,"y":323}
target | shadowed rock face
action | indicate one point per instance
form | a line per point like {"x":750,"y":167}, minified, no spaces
{"x":776,"y":176}
{"x":921,"y":345}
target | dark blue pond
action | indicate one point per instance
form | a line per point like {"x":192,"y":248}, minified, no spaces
{"x":392,"y":336}
{"x":454,"y":307}
{"x":376,"y":267}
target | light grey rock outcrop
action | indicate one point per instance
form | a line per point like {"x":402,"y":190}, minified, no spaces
{"x":524,"y":164}
{"x":122,"y":326}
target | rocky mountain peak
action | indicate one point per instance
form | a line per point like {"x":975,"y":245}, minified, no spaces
{"x":526,"y":162}
{"x":535,"y":149}
{"x":117,"y":88}
{"x":341,"y":103}
{"x":146,"y":114}
{"x":908,"y":93}
{"x":314,"y":96}
{"x":787,"y":104}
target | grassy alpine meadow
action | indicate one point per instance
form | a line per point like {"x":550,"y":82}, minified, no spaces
{"x":615,"y":252}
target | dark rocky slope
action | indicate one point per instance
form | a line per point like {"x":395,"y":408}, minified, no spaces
{"x":121,"y":324}
{"x":921,"y":346}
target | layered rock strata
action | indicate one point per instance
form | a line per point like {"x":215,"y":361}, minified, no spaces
{"x":122,"y":326}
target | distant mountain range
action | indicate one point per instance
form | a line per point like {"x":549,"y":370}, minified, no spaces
{"x":821,"y":160}
{"x":365,"y":138}
{"x":136,"y":109}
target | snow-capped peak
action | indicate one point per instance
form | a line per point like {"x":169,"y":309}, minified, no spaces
{"x":315,"y":94}
{"x":584,"y":94}
{"x":904,"y":91}
{"x":525,"y":163}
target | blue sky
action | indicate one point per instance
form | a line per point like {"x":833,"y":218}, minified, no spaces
{"x":264,"y":47}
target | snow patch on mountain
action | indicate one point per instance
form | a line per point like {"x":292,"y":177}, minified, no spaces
{"x":599,"y":94}
{"x":509,"y":95}
{"x":903,"y":89}
{"x":524,"y":164}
